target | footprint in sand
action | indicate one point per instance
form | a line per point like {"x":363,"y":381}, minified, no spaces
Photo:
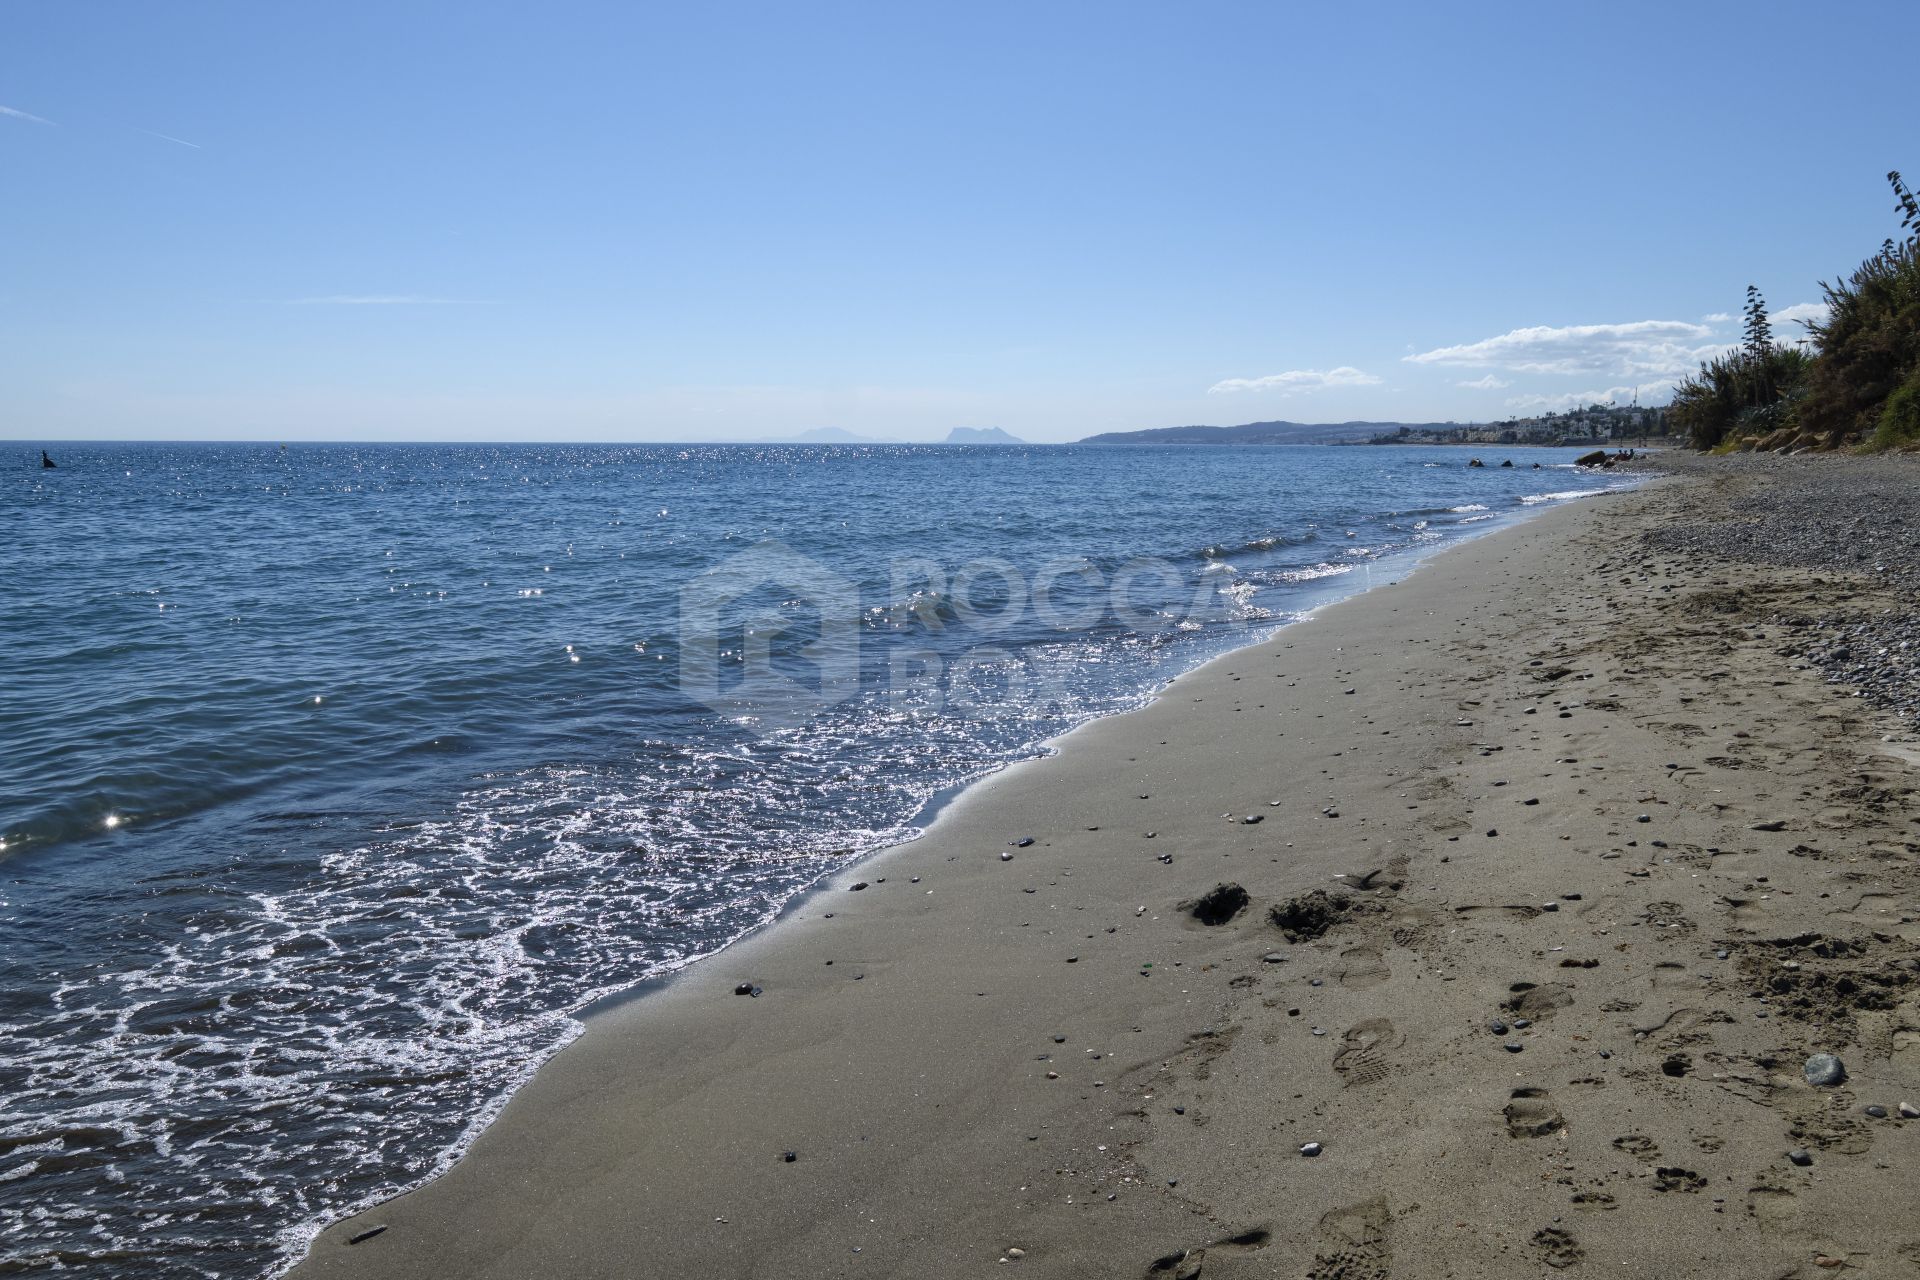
{"x":1354,"y":1243}
{"x":1186,"y":1264}
{"x":1536,"y":1000}
{"x":1666,"y":915}
{"x":1511,"y":911}
{"x":1363,"y":1057}
{"x":1775,"y":1209}
{"x":1365,"y":967}
{"x":1531,"y":1114}
{"x":1680,"y":1027}
{"x":1828,"y":1123}
{"x":1641,"y":1148}
{"x":1668,"y":976}
{"x":1674,"y":1178}
{"x":1561,"y":1250}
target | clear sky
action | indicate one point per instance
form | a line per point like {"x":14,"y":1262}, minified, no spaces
{"x":621,"y":221}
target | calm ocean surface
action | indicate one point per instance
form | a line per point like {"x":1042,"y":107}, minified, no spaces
{"x":338,"y":779}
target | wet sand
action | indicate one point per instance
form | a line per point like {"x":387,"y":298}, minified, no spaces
{"x":1554,"y":781}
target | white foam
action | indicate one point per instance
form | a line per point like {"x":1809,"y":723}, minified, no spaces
{"x":1563,"y":496}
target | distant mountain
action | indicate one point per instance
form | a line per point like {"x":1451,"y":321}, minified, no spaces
{"x":980,"y":435}
{"x":1262,"y":433}
{"x":830,"y":435}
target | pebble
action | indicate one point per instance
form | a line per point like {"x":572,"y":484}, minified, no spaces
{"x":1824,"y":1070}
{"x":789,"y":1156}
{"x":1253,"y":818}
{"x":1800,"y":1156}
{"x":746,"y":989}
{"x":1005,"y":856}
{"x":1721,"y":955}
{"x":1877,"y":1112}
{"x":1498,"y":1027}
{"x":1645,"y":817}
{"x":1522,"y":1023}
{"x":1549,"y":906}
{"x":1310,"y":1149}
{"x":856,"y":886}
{"x":1016,"y":1253}
{"x":1514,"y":1046}
{"x":1022,"y":842}
{"x":1275,"y":957}
{"x":1909,"y":1112}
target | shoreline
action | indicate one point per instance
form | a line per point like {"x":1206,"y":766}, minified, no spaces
{"x":927,"y":1036}
{"x":1394,"y":569}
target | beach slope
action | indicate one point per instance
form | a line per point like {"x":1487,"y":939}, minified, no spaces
{"x":1546,"y":874}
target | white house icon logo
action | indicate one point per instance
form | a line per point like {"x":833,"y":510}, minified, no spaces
{"x":769,"y":636}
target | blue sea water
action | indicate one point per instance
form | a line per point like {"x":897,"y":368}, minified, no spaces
{"x":338,"y":780}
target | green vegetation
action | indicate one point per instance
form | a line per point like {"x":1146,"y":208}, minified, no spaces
{"x":1755,"y":390}
{"x":1860,"y":384}
{"x":1867,"y":380}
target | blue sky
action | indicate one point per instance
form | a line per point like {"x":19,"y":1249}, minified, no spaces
{"x":589,"y":221}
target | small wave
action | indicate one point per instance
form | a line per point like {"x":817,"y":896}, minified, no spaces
{"x":1314,"y":572}
{"x":1254,"y":546}
{"x":1562,"y":496}
{"x":1471,"y":506}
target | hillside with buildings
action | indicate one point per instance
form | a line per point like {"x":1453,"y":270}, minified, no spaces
{"x":1597,"y":424}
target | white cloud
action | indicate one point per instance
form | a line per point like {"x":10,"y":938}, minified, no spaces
{"x":24,"y":115}
{"x":1641,"y":347}
{"x":1649,"y":393}
{"x":1488,"y":383}
{"x":385,"y":300}
{"x":1298,"y":380}
{"x":1796,"y":314}
{"x":1717,"y":317}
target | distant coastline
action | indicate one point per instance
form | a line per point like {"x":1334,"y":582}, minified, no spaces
{"x":1594,"y":425}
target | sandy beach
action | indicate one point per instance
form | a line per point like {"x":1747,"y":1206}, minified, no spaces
{"x":1546,"y":870}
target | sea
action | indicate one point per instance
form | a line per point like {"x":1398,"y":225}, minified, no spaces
{"x":338,"y":782}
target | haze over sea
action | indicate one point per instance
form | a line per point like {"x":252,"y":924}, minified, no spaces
{"x":339,"y":779}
